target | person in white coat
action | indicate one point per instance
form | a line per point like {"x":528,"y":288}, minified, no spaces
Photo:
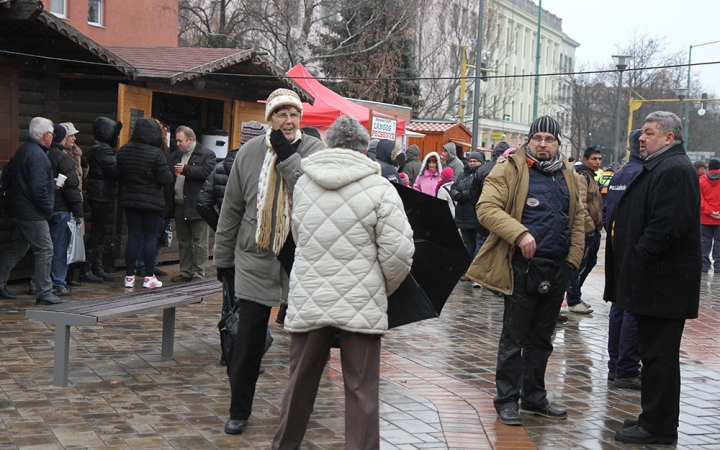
{"x":354,"y":248}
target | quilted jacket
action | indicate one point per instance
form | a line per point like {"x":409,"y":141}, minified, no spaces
{"x":354,"y":245}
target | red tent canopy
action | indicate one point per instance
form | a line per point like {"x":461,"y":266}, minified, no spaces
{"x":329,"y":105}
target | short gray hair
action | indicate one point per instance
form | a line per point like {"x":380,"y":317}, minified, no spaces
{"x":40,"y":126}
{"x":348,"y":133}
{"x":669,"y":123}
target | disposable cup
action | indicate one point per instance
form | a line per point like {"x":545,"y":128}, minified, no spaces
{"x":178,"y":171}
{"x":60,"y":179}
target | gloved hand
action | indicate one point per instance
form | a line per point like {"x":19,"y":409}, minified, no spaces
{"x":455,"y":195}
{"x":281,"y":145}
{"x":78,"y":220}
{"x":221,"y":271}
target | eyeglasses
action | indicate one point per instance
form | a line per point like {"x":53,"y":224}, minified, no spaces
{"x":548,"y":140}
{"x":51,"y":133}
{"x":284,"y":116}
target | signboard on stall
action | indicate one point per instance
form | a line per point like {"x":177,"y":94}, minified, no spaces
{"x":382,"y":128}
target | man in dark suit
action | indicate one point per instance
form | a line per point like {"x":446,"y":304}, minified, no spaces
{"x":653,"y":270}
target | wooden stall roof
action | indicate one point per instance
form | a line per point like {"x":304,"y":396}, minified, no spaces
{"x":27,"y":32}
{"x":47,"y":36}
{"x":243,"y":69}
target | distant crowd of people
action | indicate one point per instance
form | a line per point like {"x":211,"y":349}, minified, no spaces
{"x":530,"y":220}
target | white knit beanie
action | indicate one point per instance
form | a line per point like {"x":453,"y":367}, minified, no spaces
{"x":282,"y":97}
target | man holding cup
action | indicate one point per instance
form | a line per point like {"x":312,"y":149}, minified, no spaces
{"x":32,"y":190}
{"x":192,"y":164}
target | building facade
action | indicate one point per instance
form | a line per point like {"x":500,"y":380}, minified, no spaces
{"x":128,"y":22}
{"x":509,"y":52}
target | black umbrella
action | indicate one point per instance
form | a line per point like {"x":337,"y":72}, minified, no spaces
{"x":439,"y":261}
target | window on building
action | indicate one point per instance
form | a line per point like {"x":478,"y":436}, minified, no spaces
{"x":95,"y":12}
{"x":57,"y":7}
{"x":521,"y":112}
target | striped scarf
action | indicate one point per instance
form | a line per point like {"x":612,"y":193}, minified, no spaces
{"x":553,"y":165}
{"x":268,"y":188}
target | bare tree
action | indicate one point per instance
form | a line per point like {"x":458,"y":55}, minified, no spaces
{"x":439,"y":34}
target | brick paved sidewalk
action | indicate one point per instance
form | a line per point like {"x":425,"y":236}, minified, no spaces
{"x":436,"y":387}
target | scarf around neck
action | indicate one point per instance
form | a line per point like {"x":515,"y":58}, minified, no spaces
{"x":553,"y":165}
{"x":268,"y":187}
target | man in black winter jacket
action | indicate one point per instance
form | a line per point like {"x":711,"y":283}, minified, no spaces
{"x":32,"y":189}
{"x":192,"y":164}
{"x":101,"y":193}
{"x":466,"y":195}
{"x":67,"y":204}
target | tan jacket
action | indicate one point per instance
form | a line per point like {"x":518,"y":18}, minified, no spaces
{"x":592,"y":201}
{"x":500,"y":210}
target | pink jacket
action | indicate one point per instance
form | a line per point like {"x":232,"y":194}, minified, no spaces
{"x":427,"y":182}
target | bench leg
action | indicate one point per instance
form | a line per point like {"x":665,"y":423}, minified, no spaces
{"x":168,"y":335}
{"x":62,"y":351}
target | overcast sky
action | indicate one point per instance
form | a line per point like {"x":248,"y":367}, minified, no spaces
{"x":601,"y":26}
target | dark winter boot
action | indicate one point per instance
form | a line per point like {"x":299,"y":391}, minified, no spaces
{"x":97,"y":269}
{"x":86,"y":272}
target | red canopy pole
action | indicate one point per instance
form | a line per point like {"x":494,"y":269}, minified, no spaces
{"x":370,"y":118}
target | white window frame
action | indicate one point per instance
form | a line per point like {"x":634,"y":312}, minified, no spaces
{"x":100,"y":13}
{"x":64,"y":9}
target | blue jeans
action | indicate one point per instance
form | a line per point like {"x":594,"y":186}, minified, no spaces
{"x":479,"y":241}
{"x":141,"y":262}
{"x":141,"y":223}
{"x":469,"y":237}
{"x":60,"y":235}
{"x":577,"y":279}
{"x":623,"y":348}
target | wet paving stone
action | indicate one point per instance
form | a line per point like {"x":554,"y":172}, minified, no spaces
{"x":436,"y":387}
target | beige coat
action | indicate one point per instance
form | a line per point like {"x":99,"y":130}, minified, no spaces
{"x":500,"y":210}
{"x":592,"y":201}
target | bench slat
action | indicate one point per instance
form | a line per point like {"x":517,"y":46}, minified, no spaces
{"x":145,"y":307}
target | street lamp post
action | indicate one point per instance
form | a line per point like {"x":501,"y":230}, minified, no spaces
{"x":621,"y":62}
{"x":681,"y":94}
{"x":686,"y":122}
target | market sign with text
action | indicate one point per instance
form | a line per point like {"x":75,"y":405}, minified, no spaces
{"x":383,"y":128}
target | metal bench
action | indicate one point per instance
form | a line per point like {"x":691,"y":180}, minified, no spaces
{"x":93,"y":310}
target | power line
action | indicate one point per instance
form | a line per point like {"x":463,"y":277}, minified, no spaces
{"x":340,"y":79}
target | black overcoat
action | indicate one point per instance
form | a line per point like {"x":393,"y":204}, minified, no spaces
{"x":653,"y":252}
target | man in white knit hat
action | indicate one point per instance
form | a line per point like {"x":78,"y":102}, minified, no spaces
{"x":253,"y":225}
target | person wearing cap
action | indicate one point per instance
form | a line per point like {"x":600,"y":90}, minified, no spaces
{"x":652,"y":269}
{"x":530,"y":205}
{"x":81,"y":167}
{"x":29,"y":177}
{"x":192,"y":163}
{"x":700,"y":167}
{"x":68,"y":205}
{"x":75,"y":152}
{"x":624,"y":355}
{"x":710,"y":215}
{"x":465,"y":195}
{"x":252,"y":228}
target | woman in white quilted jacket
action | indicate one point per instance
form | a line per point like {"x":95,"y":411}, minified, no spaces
{"x":354,"y":248}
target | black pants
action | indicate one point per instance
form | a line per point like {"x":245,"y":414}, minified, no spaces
{"x":526,"y":342}
{"x":247,"y":356}
{"x":659,"y":342}
{"x":96,"y":237}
